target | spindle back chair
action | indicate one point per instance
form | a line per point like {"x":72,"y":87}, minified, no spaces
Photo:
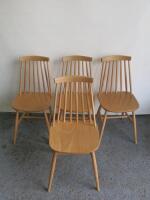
{"x":34,"y":74}
{"x":34,"y":89}
{"x":115,"y":74}
{"x":115,"y":91}
{"x":74,"y":132}
{"x":76,"y":65}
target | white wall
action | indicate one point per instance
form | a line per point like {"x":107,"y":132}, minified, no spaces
{"x":61,"y":27}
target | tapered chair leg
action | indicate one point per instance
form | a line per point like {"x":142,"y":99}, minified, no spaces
{"x":50,"y":115}
{"x":95,"y":170}
{"x":52,"y":171}
{"x":47,"y":121}
{"x":135,"y":128}
{"x":103,"y":126}
{"x":16,"y":128}
{"x":98,"y":112}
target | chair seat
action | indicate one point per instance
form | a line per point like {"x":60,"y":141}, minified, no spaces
{"x":70,"y":137}
{"x":31,"y":102}
{"x":118,"y":102}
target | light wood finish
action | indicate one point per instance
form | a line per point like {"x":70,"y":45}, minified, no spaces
{"x":135,"y":128}
{"x":70,"y":137}
{"x":35,"y":89}
{"x":76,"y":65}
{"x":115,"y":91}
{"x":72,"y":95}
{"x":52,"y":171}
{"x":16,"y":127}
{"x":74,"y":132}
{"x":118,"y":102}
{"x":93,"y":156}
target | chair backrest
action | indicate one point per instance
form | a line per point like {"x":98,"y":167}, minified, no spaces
{"x":66,"y":86}
{"x":76,"y":65}
{"x":34,"y":74}
{"x":115,"y":74}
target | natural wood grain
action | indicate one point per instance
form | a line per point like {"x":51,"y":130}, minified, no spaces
{"x":16,"y":128}
{"x":115,"y":91}
{"x":33,"y":58}
{"x":74,"y":133}
{"x":76,"y":65}
{"x":115,"y":58}
{"x":77,"y":58}
{"x":32,"y":102}
{"x":135,"y":128}
{"x":93,"y":156}
{"x":74,"y":138}
{"x":54,"y":158}
{"x":118,"y":102}
{"x":34,"y":90}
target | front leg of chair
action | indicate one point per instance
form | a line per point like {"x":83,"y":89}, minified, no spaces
{"x":93,"y":156}
{"x":16,"y":128}
{"x":52,"y":171}
{"x":135,"y":128}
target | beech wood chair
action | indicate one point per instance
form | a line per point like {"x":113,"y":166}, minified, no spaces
{"x":74,"y":132}
{"x":76,"y":65}
{"x":115,"y":91}
{"x":35,"y":90}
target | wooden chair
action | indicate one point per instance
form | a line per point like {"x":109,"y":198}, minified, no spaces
{"x":115,"y":91}
{"x":35,"y":90}
{"x":76,"y":65}
{"x":74,"y":132}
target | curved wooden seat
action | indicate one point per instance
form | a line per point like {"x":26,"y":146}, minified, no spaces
{"x":71,"y":137}
{"x":31,"y":102}
{"x":118,"y":102}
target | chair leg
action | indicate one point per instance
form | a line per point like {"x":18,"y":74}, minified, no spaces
{"x":47,"y":121}
{"x":123,"y":114}
{"x":103,"y":126}
{"x":135,"y":128}
{"x":50,"y":115}
{"x":48,"y":124}
{"x":98,"y":111}
{"x":16,"y":128}
{"x":98,"y":114}
{"x":95,"y":170}
{"x":52,"y":171}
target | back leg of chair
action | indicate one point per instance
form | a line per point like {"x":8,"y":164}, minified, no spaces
{"x":52,"y":171}
{"x":135,"y":128}
{"x":47,"y":121}
{"x":16,"y":128}
{"x":103,"y":126}
{"x":50,"y":115}
{"x":95,"y":170}
{"x":48,"y":125}
{"x":98,"y":112}
{"x":123,"y":114}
